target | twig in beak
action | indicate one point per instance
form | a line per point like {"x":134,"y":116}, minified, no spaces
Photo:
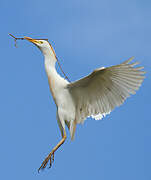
{"x":15,"y":39}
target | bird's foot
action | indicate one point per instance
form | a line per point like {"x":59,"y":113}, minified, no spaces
{"x":50,"y":158}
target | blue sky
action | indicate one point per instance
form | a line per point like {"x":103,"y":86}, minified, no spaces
{"x":85,"y":35}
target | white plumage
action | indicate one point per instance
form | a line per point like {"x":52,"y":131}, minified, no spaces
{"x":95,"y":95}
{"x":104,"y":89}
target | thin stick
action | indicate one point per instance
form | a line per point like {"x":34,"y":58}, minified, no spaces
{"x":15,"y":39}
{"x":62,"y":70}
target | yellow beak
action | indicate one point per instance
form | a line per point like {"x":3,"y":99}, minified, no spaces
{"x":31,"y":40}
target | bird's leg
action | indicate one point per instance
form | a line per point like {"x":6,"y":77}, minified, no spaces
{"x":50,"y":156}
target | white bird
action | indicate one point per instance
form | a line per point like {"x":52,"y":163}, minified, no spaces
{"x":95,"y":95}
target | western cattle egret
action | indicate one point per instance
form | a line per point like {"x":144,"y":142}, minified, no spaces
{"x":95,"y":95}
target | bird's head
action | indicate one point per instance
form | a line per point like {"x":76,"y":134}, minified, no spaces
{"x":43,"y":45}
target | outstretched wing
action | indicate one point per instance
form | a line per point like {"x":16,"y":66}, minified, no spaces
{"x":104,"y":89}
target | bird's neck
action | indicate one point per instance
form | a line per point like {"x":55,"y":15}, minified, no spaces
{"x":49,"y":56}
{"x":56,"y":82}
{"x":50,"y":62}
{"x":53,"y":76}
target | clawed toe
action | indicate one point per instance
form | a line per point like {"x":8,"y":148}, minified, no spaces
{"x":51,"y":160}
{"x":44,"y":163}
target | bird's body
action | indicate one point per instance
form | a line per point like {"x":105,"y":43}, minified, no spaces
{"x":95,"y":95}
{"x":61,"y":95}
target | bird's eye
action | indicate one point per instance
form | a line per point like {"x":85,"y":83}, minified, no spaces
{"x":40,"y":42}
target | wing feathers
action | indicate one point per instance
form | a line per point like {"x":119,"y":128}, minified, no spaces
{"x":128,"y":61}
{"x":104,"y":89}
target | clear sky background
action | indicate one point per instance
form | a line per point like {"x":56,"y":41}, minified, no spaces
{"x":85,"y":35}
